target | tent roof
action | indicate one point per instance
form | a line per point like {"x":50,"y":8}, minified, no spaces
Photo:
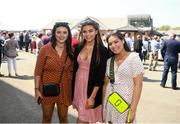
{"x":102,"y":26}
{"x":105,"y":23}
{"x":128,"y":28}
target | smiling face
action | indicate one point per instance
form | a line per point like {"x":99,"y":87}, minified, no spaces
{"x":89,"y":33}
{"x":115,"y":44}
{"x":61,"y":34}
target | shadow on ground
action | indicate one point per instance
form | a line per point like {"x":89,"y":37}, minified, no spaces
{"x":21,"y":77}
{"x":146,"y":79}
{"x":177,"y":88}
{"x":20,"y":107}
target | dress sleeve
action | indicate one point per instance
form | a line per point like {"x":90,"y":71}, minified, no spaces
{"x":137,"y":66}
{"x":41,"y":59}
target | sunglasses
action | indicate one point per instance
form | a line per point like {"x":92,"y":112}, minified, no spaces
{"x":89,"y":21}
{"x":61,"y":23}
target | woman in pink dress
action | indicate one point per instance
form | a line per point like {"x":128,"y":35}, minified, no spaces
{"x":90,"y":59}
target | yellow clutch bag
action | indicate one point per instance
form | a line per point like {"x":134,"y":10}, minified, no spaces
{"x":118,"y":102}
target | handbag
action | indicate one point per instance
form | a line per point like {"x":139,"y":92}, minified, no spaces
{"x":116,"y":99}
{"x":53,"y":89}
{"x":118,"y":102}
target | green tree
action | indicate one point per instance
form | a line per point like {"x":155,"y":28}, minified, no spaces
{"x":176,"y":28}
{"x":164,"y":28}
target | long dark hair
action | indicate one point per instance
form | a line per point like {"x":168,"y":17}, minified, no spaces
{"x":121,"y":37}
{"x":68,"y":41}
{"x":98,"y":41}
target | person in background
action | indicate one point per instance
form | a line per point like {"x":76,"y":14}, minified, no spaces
{"x":27,"y":39}
{"x":178,"y":39}
{"x":155,"y":47}
{"x":145,"y":48}
{"x":2,"y":40}
{"x":88,"y":77}
{"x":55,"y":59}
{"x":74,"y":38}
{"x":129,"y":40}
{"x":5,"y":37}
{"x":128,"y":73}
{"x":171,"y":47}
{"x":138,"y":46}
{"x":104,"y":40}
{"x":21,"y":37}
{"x":45,"y":39}
{"x":10,"y":51}
{"x":33,"y":44}
{"x":39,"y":42}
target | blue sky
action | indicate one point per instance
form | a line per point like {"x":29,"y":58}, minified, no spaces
{"x":34,"y":14}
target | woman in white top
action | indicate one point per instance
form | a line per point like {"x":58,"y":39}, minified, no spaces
{"x":128,"y":73}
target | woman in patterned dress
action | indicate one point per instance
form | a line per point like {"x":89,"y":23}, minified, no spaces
{"x":90,"y":59}
{"x":128,"y":73}
{"x":49,"y":66}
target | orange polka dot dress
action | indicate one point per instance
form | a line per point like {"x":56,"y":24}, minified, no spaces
{"x":49,"y":67}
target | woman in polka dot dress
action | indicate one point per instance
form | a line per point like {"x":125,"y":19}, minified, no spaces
{"x":128,"y":73}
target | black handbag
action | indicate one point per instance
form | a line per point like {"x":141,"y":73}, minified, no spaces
{"x":52,"y":89}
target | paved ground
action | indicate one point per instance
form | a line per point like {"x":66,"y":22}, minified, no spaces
{"x":157,"y":105}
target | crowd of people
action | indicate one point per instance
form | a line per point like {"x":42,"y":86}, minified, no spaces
{"x":87,"y":71}
{"x":11,"y":42}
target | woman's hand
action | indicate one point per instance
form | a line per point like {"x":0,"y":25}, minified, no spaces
{"x":90,"y":103}
{"x":132,"y":115}
{"x":37,"y":94}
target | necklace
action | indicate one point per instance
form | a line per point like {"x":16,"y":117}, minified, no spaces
{"x":61,"y":46}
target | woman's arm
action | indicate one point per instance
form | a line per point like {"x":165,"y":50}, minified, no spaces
{"x":41,"y":59}
{"x":36,"y":81}
{"x":91,"y":99}
{"x":106,"y":81}
{"x":36,"y":84}
{"x":136,"y":94}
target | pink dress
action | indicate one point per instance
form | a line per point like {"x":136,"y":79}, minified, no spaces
{"x":80,"y":94}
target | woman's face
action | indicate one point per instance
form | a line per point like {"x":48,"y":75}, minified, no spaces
{"x":89,"y":33}
{"x":61,"y":34}
{"x":115,"y":44}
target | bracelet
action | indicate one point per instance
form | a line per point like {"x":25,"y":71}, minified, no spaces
{"x":93,"y":97}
